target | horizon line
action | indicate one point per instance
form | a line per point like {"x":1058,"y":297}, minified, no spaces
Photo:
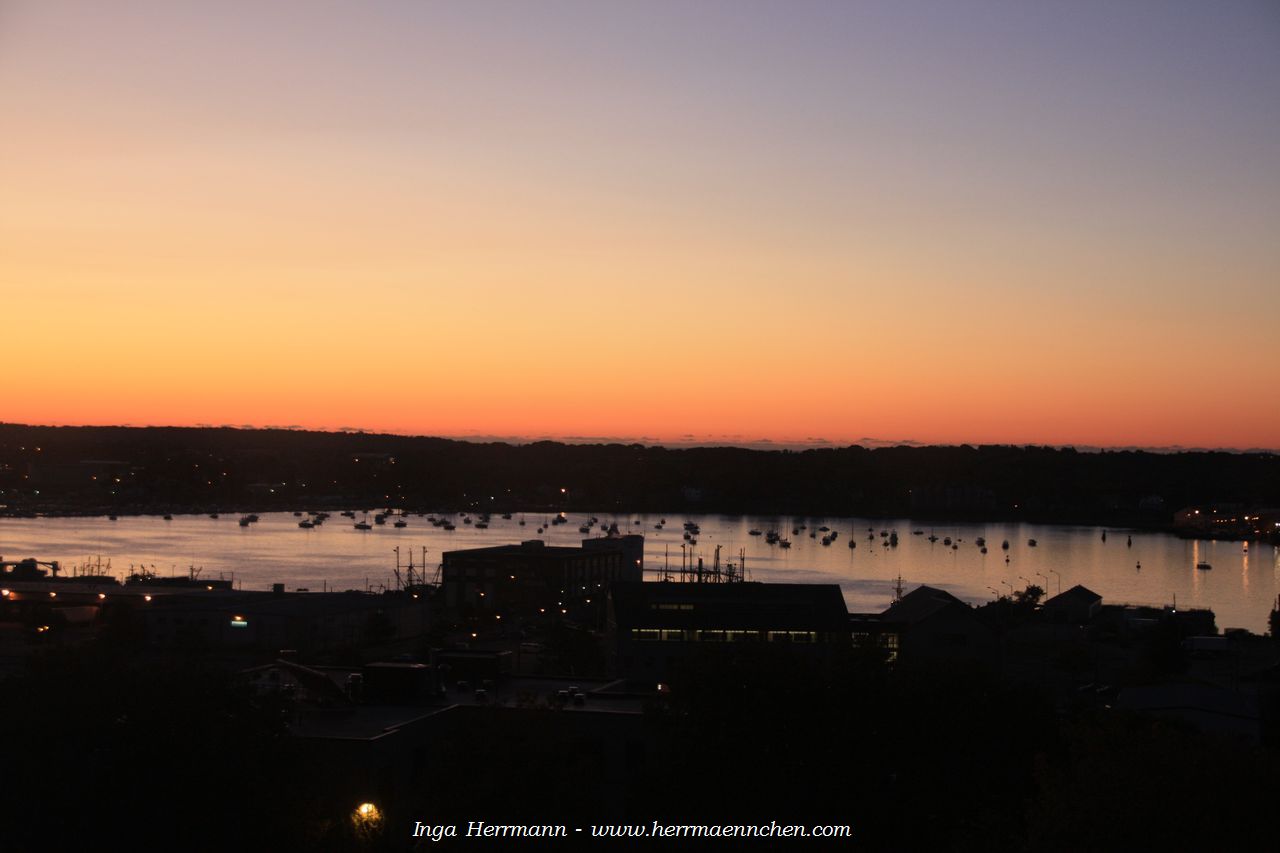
{"x":681,"y":442}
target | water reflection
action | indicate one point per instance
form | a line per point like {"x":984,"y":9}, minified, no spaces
{"x":337,"y":556}
{"x":1196,"y":559}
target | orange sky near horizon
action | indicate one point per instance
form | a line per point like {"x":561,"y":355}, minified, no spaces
{"x":209,"y":218}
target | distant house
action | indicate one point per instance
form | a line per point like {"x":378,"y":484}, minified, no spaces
{"x":1077,"y":606}
{"x":928,"y":624}
{"x":653,"y":626}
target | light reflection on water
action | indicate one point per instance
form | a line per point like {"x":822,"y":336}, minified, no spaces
{"x":276,"y":550}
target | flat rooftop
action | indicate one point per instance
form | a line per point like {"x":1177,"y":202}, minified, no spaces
{"x":370,"y":721}
{"x":746,"y":604}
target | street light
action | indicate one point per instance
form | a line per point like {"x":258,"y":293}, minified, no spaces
{"x":1055,"y":572}
{"x":366,"y":820}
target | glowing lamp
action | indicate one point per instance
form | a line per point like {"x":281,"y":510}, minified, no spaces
{"x":367,"y":818}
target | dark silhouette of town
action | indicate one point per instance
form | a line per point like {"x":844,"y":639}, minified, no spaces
{"x":530,"y":684}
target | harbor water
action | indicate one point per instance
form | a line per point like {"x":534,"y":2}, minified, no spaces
{"x":1137,"y":567}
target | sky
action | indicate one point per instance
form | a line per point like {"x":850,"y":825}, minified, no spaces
{"x":943,"y":222}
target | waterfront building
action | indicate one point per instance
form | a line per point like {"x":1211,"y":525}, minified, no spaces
{"x":653,"y":627}
{"x":927,"y":624}
{"x":1228,"y":521}
{"x":535,"y":578}
{"x":1077,"y":606}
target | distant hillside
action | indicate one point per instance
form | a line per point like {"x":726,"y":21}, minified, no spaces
{"x":154,"y":469}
